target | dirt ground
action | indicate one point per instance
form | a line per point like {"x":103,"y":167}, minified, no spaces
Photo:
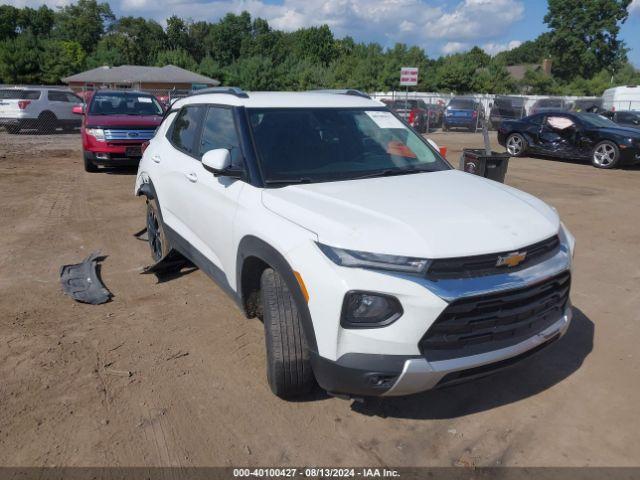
{"x":198,"y":394}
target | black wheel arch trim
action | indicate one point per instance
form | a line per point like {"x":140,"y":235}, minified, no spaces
{"x":251,"y":246}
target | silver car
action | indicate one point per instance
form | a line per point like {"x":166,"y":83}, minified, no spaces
{"x":43,"y":108}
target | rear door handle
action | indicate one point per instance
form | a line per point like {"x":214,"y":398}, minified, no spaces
{"x":156,"y":158}
{"x":192,"y":177}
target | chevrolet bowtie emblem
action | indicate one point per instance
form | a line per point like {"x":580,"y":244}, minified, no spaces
{"x":512,"y":259}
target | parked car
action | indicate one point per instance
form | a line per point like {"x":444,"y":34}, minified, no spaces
{"x":375,"y":266}
{"x":463,"y":112}
{"x":115,"y":125}
{"x":43,"y":108}
{"x":417,"y":113}
{"x":548,"y":105}
{"x":505,"y":108}
{"x":626,"y":119}
{"x":590,"y":105}
{"x":580,"y":136}
{"x":621,"y":98}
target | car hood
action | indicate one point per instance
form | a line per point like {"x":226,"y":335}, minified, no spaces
{"x":123,"y":120}
{"x":433,"y":215}
{"x":624,"y":131}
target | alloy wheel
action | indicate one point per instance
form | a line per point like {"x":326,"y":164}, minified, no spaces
{"x":153,"y":233}
{"x":604,"y":155}
{"x":515,"y":145}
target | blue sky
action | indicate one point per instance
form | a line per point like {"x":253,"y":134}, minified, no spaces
{"x":438,"y":26}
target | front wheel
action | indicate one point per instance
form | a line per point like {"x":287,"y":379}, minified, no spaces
{"x":155,"y":231}
{"x":605,"y":155}
{"x":516,"y":145}
{"x":288,"y":362}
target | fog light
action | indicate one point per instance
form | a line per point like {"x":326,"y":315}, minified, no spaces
{"x":369,"y":310}
{"x":102,"y":156}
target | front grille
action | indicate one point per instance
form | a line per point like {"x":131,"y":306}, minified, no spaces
{"x":128,"y":134}
{"x":481,"y":265}
{"x":474,"y":325}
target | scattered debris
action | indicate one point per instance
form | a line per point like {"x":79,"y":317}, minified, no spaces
{"x":452,"y":431}
{"x":140,"y":235}
{"x":116,"y":347}
{"x":81,"y":281}
{"x":177,"y":355}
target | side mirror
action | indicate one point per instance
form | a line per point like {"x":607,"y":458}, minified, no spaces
{"x":78,"y":109}
{"x":218,"y":162}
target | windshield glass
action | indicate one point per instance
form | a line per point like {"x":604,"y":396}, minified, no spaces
{"x":462,"y":104}
{"x":325,"y":144}
{"x":124,"y":103}
{"x":595,"y":120}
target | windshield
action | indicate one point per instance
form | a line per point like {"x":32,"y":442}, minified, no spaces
{"x":328,"y":144}
{"x":124,"y":103}
{"x":595,"y":120}
{"x":462,"y":104}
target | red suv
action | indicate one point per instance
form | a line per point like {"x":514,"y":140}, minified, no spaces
{"x":115,"y":125}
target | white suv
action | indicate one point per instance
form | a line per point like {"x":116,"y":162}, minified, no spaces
{"x":44,"y":108}
{"x":376,"y":268}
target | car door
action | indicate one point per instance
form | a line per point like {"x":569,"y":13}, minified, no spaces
{"x":172,"y":162}
{"x":214,"y":200}
{"x":558,"y":135}
{"x":57,"y":103}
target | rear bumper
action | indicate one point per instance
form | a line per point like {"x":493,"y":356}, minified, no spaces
{"x":394,"y":375}
{"x":460,"y":122}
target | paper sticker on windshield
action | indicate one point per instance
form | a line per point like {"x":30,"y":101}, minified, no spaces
{"x":384,"y":119}
{"x":144,"y":100}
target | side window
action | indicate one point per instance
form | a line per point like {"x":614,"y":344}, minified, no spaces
{"x":56,"y":96}
{"x":71,"y":98}
{"x":185,"y":129}
{"x":219,"y":131}
{"x":536,"y":119}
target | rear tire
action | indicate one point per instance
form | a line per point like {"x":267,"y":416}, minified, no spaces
{"x":89,"y":166}
{"x":605,"y":155}
{"x":47,"y":122}
{"x":288,"y":362}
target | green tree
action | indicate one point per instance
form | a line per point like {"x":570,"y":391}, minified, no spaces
{"x":210,"y":68}
{"x":253,"y":73}
{"x":115,"y":49}
{"x":8,"y":21}
{"x":178,"y":57}
{"x":20,"y":59}
{"x":84,"y":22}
{"x":177,"y":33}
{"x":60,"y":59}
{"x":584,"y":36}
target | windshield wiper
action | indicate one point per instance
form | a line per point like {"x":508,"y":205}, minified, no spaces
{"x":390,"y":172}
{"x":277,"y":181}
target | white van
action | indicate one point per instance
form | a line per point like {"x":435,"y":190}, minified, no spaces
{"x":621,"y":98}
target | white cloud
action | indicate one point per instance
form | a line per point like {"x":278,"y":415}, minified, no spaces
{"x":492,"y":48}
{"x":429,"y":24}
{"x":454,"y":47}
{"x":634,"y":8}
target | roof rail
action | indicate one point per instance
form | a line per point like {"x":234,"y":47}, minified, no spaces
{"x":236,"y":91}
{"x":342,"y":91}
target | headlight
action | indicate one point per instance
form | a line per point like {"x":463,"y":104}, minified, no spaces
{"x":567,"y":238}
{"x":352,"y":258}
{"x":369,"y":310}
{"x":96,"y":133}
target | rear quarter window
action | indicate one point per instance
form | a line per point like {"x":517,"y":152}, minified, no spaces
{"x":19,"y":94}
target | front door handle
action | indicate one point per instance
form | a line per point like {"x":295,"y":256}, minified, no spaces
{"x":156,"y":158}
{"x":192,"y":177}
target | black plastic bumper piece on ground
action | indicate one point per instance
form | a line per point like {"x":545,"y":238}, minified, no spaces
{"x":358,"y":374}
{"x":82,"y":282}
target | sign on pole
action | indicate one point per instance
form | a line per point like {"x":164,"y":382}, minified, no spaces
{"x":408,"y":76}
